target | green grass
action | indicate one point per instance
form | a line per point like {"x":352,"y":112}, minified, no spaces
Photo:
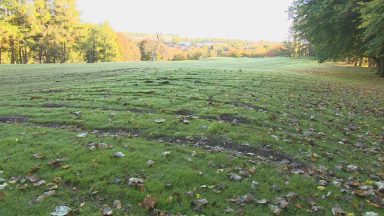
{"x":288,"y":112}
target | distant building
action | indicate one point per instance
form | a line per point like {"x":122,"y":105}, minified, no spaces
{"x":185,"y":45}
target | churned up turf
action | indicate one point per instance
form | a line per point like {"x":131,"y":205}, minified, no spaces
{"x":215,"y":137}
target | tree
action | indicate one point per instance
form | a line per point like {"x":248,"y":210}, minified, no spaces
{"x":101,"y":44}
{"x":128,"y":49}
{"x":42,"y":15}
{"x":148,"y":49}
{"x":66,"y":20}
{"x":340,"y":29}
{"x":373,"y":35}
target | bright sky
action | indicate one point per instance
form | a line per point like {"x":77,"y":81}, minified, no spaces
{"x":236,"y":19}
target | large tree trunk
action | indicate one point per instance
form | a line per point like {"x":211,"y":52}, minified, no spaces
{"x":21,"y":61}
{"x":378,"y":64}
{"x":41,"y":55}
{"x":13,"y":56}
{"x":25,"y":55}
{"x":381,"y":66}
{"x":64,"y":53}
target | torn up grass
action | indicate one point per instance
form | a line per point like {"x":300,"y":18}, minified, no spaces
{"x":215,"y":137}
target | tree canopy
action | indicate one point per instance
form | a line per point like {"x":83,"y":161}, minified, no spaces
{"x":341,"y":28}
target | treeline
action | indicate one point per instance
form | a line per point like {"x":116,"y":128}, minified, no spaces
{"x":351,"y":30}
{"x":50,"y":31}
{"x":174,"y":48}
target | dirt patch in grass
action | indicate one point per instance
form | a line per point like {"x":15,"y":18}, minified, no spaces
{"x":134,"y":132}
{"x":123,"y":132}
{"x":184,"y":112}
{"x":13,"y":119}
{"x":52,"y":91}
{"x":225,"y":144}
{"x":229,"y":118}
{"x":248,"y":106}
{"x":53,"y":105}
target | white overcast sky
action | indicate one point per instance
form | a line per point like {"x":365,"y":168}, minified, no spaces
{"x":236,"y":19}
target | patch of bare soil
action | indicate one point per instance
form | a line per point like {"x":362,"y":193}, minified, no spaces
{"x":224,"y":144}
{"x":53,"y":105}
{"x":13,"y":119}
{"x":184,"y":112}
{"x":249,"y":106}
{"x":229,"y":118}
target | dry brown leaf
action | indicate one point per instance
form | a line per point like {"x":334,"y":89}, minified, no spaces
{"x":149,"y":202}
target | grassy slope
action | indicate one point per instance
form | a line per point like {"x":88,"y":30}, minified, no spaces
{"x":299,"y":111}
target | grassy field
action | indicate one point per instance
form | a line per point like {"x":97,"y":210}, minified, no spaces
{"x":214,"y":137}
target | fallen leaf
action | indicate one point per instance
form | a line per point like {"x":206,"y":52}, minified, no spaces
{"x":3,"y":186}
{"x":56,"y":163}
{"x":361,"y":193}
{"x":370,"y":214}
{"x":61,"y":211}
{"x":82,"y":135}
{"x":136,"y":182}
{"x":117,"y":204}
{"x":234,"y":177}
{"x":106,"y":211}
{"x":254,"y":185}
{"x":199,"y":204}
{"x":275,"y":209}
{"x":44,"y":196}
{"x":352,"y":168}
{"x":166,"y":153}
{"x":320,"y":188}
{"x":38,"y":156}
{"x":337,"y":211}
{"x":33,"y":178}
{"x":150,"y":163}
{"x":262,"y":201}
{"x":160,"y":121}
{"x":118,"y":155}
{"x":148,"y":203}
{"x":39,"y":183}
{"x":243,"y":200}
